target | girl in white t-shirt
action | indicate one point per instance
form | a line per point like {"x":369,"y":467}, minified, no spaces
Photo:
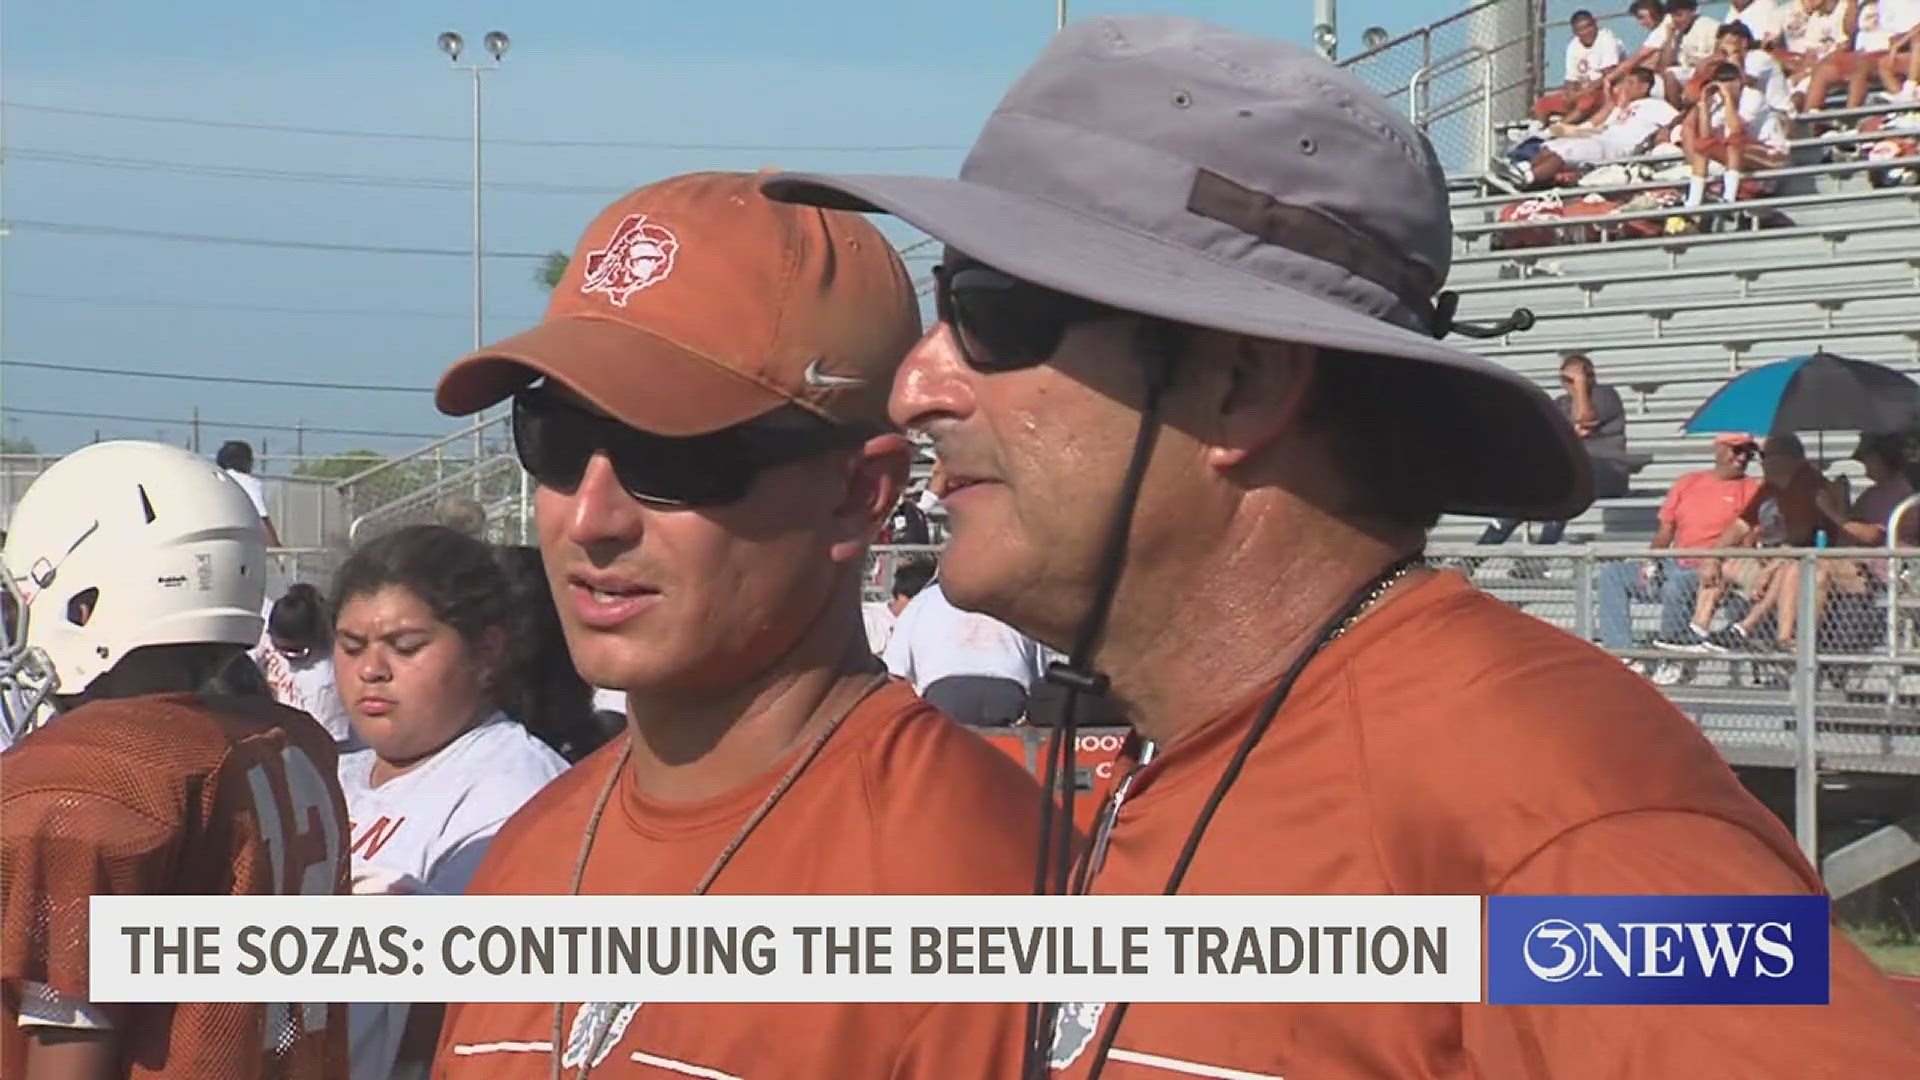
{"x":423,"y":651}
{"x":296,"y":655}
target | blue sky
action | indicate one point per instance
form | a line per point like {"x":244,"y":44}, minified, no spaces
{"x":659,"y":87}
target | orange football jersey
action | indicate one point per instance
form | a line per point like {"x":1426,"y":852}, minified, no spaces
{"x":169,"y":795}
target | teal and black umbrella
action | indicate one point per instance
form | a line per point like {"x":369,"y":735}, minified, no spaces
{"x":1821,"y":392}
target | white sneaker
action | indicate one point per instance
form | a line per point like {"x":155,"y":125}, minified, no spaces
{"x":1670,"y":673}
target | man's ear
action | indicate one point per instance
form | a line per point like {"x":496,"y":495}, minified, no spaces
{"x":875,"y":479}
{"x":1264,"y":393}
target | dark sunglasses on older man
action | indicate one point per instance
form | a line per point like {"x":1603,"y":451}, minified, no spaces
{"x":556,"y":440}
{"x":1003,"y":323}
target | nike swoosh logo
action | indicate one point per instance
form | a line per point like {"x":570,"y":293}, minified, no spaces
{"x":820,"y":380}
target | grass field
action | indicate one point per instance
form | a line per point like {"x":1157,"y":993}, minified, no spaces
{"x":1894,"y":948}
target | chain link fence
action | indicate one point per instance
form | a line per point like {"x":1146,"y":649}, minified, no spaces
{"x":1461,"y":77}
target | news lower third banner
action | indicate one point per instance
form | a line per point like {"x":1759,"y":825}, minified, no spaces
{"x":1658,"y":950}
{"x":786,"y":948}
{"x":1536,"y":950}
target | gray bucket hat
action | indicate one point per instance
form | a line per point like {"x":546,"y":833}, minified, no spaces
{"x":1164,"y":166}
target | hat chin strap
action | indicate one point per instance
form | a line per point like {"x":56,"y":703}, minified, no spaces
{"x":1077,"y":674}
{"x":1447,"y":304}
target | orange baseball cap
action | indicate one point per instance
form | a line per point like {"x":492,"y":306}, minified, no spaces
{"x":697,"y":303}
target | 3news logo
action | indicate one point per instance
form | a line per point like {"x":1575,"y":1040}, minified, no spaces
{"x":1657,"y":950}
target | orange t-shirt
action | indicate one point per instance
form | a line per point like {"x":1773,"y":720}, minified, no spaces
{"x":1701,"y":505}
{"x":162,"y":796}
{"x":900,"y":801}
{"x":1449,"y":744}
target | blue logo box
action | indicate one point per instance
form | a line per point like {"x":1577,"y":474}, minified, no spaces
{"x":1658,"y":950}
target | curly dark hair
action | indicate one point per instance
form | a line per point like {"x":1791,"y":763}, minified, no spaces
{"x":454,"y":575}
{"x":553,"y":701}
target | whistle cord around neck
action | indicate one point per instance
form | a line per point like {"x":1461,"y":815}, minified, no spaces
{"x":1078,"y":676}
{"x":726,"y":855}
{"x":1357,"y":605}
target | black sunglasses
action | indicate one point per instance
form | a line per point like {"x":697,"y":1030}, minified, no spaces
{"x":1003,"y":323}
{"x":556,"y":440}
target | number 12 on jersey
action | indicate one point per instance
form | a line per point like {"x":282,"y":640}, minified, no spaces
{"x":303,"y":838}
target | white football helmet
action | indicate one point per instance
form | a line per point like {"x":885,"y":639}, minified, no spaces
{"x":118,"y":546}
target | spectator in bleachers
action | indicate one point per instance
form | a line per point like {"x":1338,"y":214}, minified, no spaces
{"x":1698,"y":509}
{"x":1856,"y":64}
{"x":1638,"y":119}
{"x":1652,"y":17}
{"x":1811,"y":31}
{"x":1861,"y":524}
{"x":237,"y":458}
{"x":1591,"y":54}
{"x":1785,"y":512}
{"x":1900,"y":71}
{"x":1764,"y":18}
{"x":1864,"y":522}
{"x":1691,"y":43}
{"x":1739,"y":45}
{"x":1735,"y":127}
{"x":1599,"y":417}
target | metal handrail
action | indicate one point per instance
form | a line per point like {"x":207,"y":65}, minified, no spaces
{"x":426,"y":493}
{"x":468,"y":432}
{"x":1424,"y":32}
{"x":1423,"y":80}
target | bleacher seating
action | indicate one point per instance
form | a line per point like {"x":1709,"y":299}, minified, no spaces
{"x":1668,"y":319}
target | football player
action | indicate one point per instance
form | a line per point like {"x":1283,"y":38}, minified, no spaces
{"x":148,"y":757}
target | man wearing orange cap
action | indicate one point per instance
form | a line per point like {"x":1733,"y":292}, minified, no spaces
{"x":704,"y":410}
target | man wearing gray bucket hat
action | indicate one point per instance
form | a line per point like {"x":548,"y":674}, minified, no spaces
{"x":1190,"y":393}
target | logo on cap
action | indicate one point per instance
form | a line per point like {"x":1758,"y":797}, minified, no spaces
{"x":821,"y":380}
{"x":640,"y":254}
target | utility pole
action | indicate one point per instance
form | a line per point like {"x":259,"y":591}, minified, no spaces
{"x":196,"y":430}
{"x":1059,"y":14}
{"x":453,"y":45}
{"x":300,"y":439}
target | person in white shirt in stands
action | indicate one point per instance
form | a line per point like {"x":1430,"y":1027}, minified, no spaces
{"x":1871,"y":26}
{"x":1652,"y":17}
{"x":296,"y":656}
{"x":974,"y":667}
{"x":424,"y":651}
{"x":1685,"y":54}
{"x":1900,"y":72}
{"x":1810,"y":31}
{"x":237,"y":458}
{"x":1637,"y":121}
{"x":1763,"y":72}
{"x":1591,"y":54}
{"x":1763,"y":17}
{"x":1735,"y":127}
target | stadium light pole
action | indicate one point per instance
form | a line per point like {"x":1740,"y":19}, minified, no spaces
{"x":453,"y":45}
{"x":1059,"y":14}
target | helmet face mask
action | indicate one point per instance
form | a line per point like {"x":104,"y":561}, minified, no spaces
{"x":123,"y":545}
{"x":27,"y":682}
